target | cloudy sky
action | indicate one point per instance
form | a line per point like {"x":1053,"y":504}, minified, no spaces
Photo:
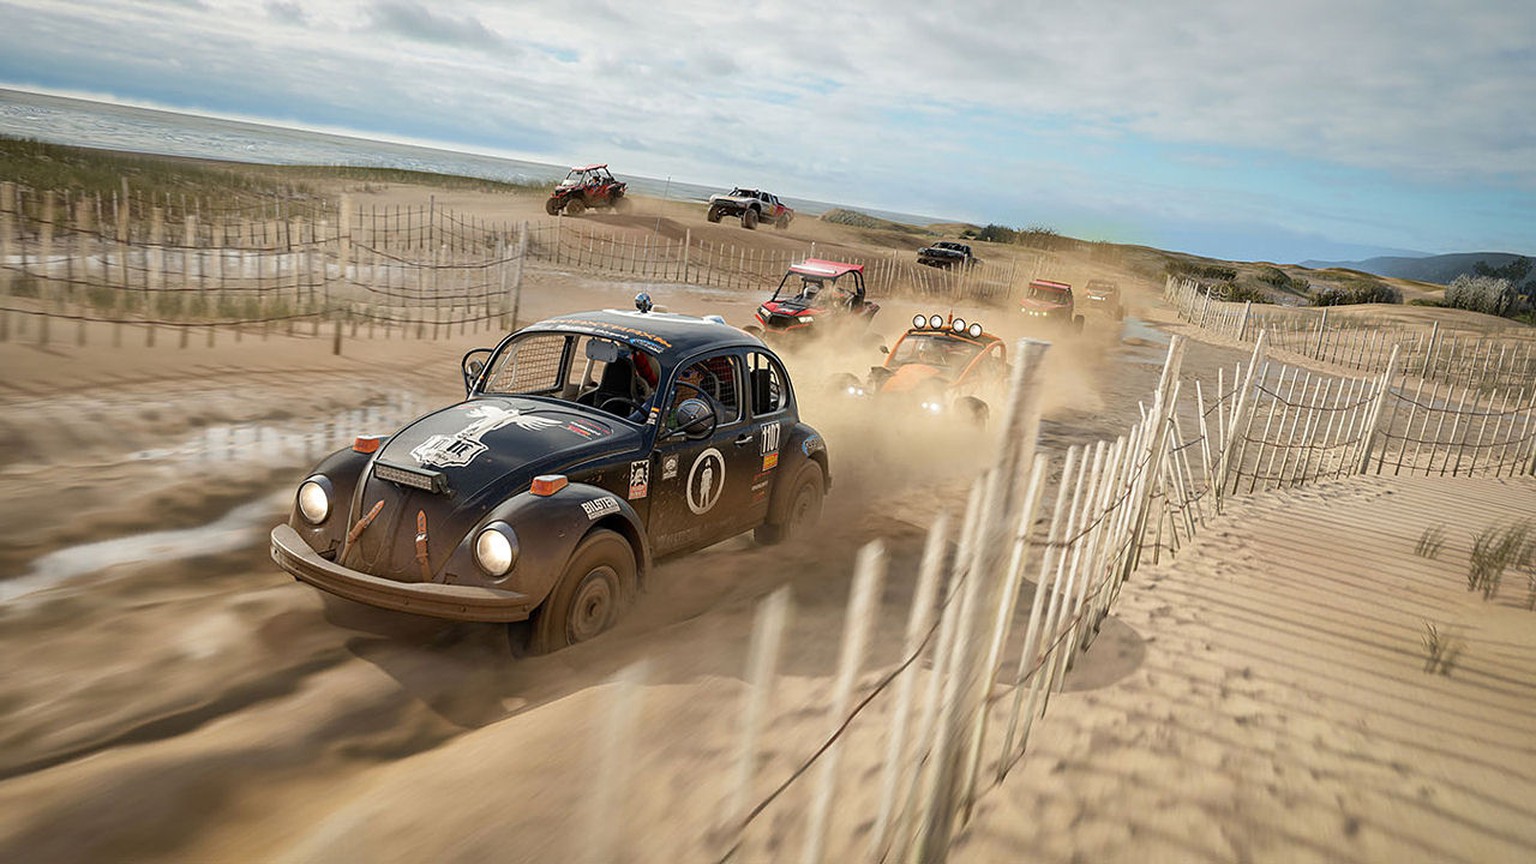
{"x":1253,"y":130}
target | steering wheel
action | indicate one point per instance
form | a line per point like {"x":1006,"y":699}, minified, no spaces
{"x":708,"y":378}
{"x":629,"y":405}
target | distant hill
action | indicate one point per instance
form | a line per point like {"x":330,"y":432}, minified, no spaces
{"x":1437,"y":269}
{"x":843,"y":216}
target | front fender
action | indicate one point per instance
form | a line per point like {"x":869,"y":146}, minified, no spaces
{"x":342,"y":468}
{"x":548,"y":529}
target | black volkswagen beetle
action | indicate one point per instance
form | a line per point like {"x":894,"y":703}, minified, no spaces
{"x":588,"y":445}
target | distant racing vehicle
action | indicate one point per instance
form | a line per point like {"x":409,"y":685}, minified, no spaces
{"x":816,"y":296}
{"x":586,"y":447}
{"x":1051,"y":302}
{"x":947,"y":253}
{"x":1104,"y":296}
{"x":942,"y":366}
{"x":585,"y":187}
{"x":752,"y":206}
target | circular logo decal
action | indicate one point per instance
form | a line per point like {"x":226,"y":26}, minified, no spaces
{"x":705,"y":481}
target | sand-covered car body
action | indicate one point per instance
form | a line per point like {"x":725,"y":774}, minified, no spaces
{"x":815,"y":297}
{"x":752,"y":206}
{"x":947,"y":253}
{"x":656,"y":433}
{"x":1050,"y":302}
{"x":942,"y":366}
{"x":1103,"y":296}
{"x":586,"y":187}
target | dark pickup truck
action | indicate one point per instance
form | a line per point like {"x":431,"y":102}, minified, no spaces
{"x":947,"y":253}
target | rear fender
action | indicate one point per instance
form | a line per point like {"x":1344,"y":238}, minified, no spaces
{"x":802,"y":444}
{"x":548,"y":529}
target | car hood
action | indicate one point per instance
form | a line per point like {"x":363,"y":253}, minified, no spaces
{"x":734,"y":199}
{"x":909,"y":377}
{"x":1038,"y":305}
{"x":496,"y":441}
{"x":453,"y":465}
{"x":940,"y":250}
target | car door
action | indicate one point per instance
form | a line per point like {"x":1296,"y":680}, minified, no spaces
{"x":701,"y":489}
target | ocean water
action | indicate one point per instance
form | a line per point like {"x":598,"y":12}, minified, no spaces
{"x":85,"y":123}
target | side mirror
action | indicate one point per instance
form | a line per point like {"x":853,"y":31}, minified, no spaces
{"x":694,"y":418}
{"x":472,"y":365}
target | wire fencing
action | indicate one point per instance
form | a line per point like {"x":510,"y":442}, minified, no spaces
{"x":1501,"y":359}
{"x":169,"y":262}
{"x":1004,"y":606}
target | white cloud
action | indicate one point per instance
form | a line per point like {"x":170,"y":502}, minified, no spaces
{"x":862,"y":93}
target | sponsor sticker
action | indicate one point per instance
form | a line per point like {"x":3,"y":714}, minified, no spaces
{"x":769,"y":438}
{"x":812,"y":444}
{"x":770,"y":461}
{"x":461,"y":448}
{"x":585,"y":429}
{"x":639,"y":479}
{"x":669,"y":467}
{"x":706,"y":480}
{"x":597,"y":508}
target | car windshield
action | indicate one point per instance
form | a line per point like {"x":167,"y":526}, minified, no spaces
{"x":588,"y":370}
{"x":949,"y":354}
{"x":1049,"y":294}
{"x":743,"y":193}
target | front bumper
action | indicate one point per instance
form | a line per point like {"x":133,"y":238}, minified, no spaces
{"x":456,"y":602}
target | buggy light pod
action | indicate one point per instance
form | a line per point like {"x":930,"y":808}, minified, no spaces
{"x":546,"y":485}
{"x":367,"y":443}
{"x":808,"y":319}
{"x":936,"y":321}
{"x":715,"y":319}
{"x":496,"y":549}
{"x":959,"y":325}
{"x":975,"y":330}
{"x":315,"y":499}
{"x":919,"y":320}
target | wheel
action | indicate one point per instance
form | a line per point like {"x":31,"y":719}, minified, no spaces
{"x":782,"y":223}
{"x":552,"y":206}
{"x":801,"y":509}
{"x":575,"y":206}
{"x":597,"y":583}
{"x":974,"y":411}
{"x":749,"y":219}
{"x":714,"y":214}
{"x":1077,"y":324}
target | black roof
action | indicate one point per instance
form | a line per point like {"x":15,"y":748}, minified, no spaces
{"x":668,"y":334}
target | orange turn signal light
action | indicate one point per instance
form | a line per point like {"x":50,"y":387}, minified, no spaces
{"x":367,"y":443}
{"x":545,"y":485}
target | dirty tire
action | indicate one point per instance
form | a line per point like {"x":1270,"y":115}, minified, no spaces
{"x":1077,"y":324}
{"x":975,"y":411}
{"x":749,"y":219}
{"x":714,"y":214}
{"x":552,"y":206}
{"x":598,"y":582}
{"x":782,"y":223}
{"x":575,"y":207}
{"x":800,"y":511}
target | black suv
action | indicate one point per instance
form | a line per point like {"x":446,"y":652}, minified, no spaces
{"x":588,"y":445}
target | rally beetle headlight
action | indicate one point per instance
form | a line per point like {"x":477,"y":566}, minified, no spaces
{"x":315,"y":499}
{"x":496,"y":549}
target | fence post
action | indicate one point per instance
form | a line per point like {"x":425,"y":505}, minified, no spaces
{"x":605,"y":807}
{"x":517,"y":276}
{"x":1429,"y":350}
{"x":1375,"y":415}
{"x":762,"y":663}
{"x":7,"y":233}
{"x":1239,"y":411}
{"x":687,"y":245}
{"x":1242,"y":329}
{"x":919,"y":623}
{"x":863,"y":607}
{"x":1322,"y":325}
{"x":1162,"y":410}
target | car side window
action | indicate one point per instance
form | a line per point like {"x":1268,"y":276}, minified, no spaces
{"x":766,"y":382}
{"x":717,"y":377}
